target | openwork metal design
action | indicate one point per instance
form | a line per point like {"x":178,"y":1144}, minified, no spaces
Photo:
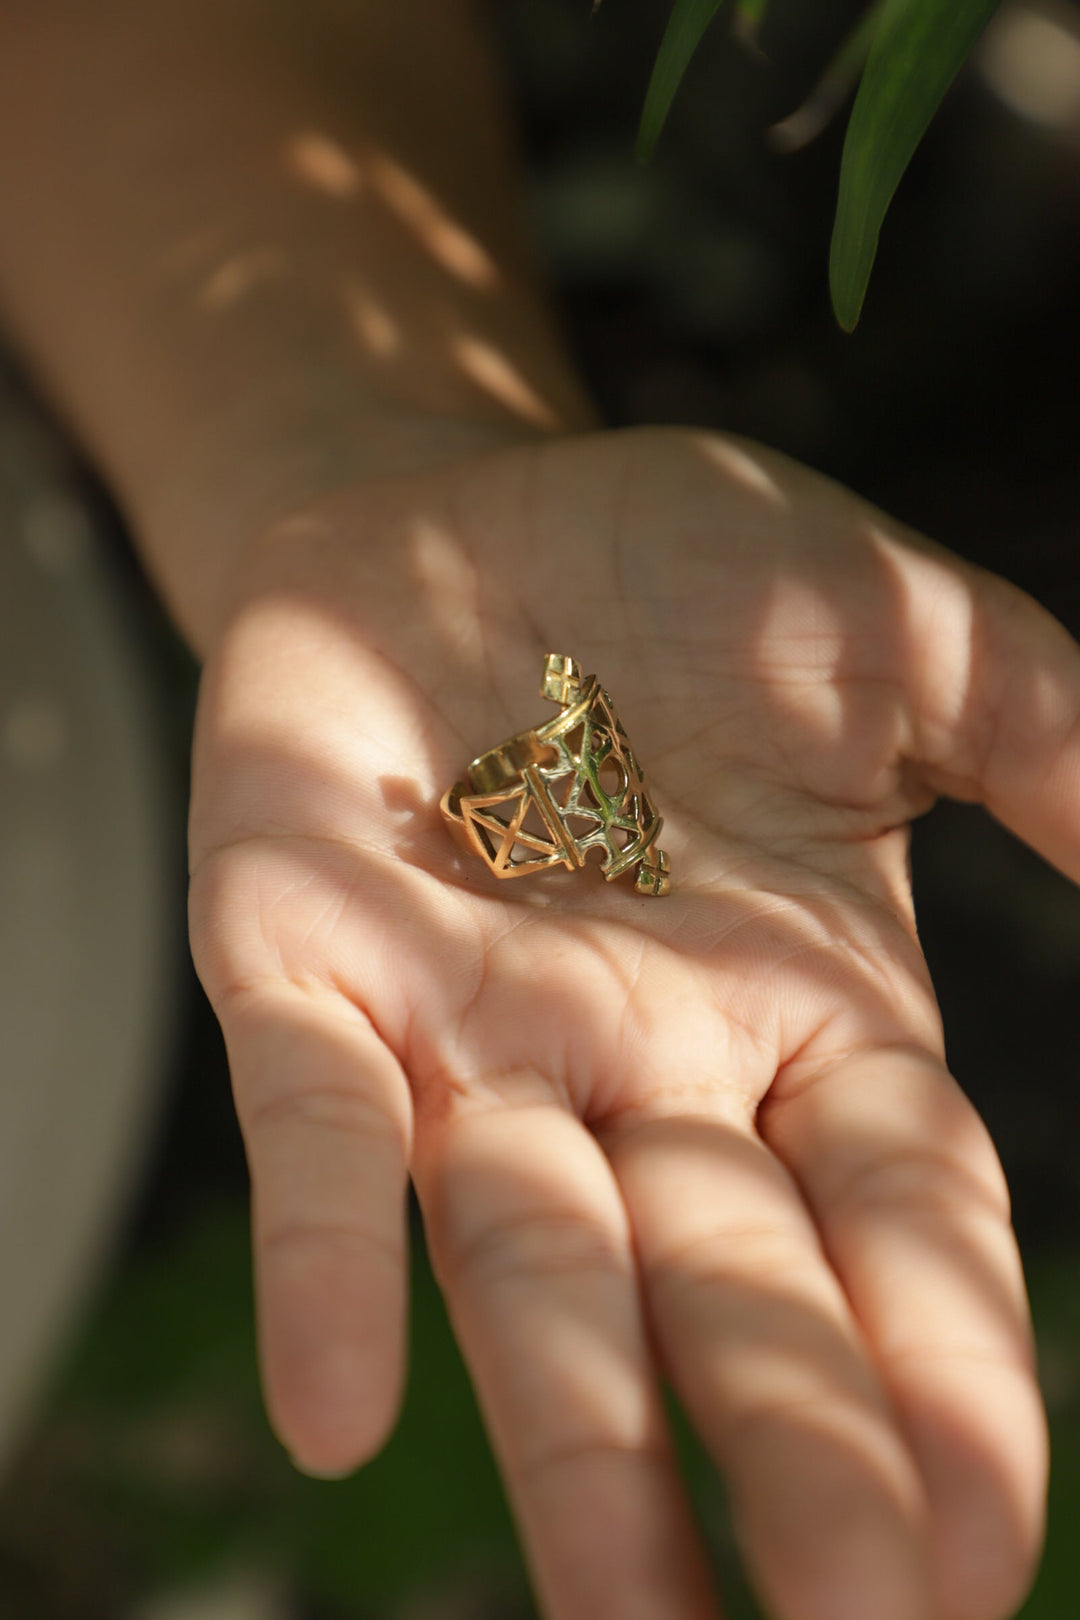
{"x":551,"y":796}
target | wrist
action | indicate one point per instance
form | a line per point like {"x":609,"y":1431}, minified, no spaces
{"x":320,"y":274}
{"x":201,"y":522}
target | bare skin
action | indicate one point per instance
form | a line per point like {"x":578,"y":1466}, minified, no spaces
{"x":711,"y":1136}
{"x":265,"y":258}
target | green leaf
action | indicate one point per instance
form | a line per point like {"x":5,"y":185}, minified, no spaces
{"x":686,"y":25}
{"x":919,"y":46}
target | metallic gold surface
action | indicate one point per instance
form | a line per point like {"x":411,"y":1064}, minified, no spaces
{"x":553,"y":795}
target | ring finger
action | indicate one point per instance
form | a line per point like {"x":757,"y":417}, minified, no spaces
{"x":760,"y":1342}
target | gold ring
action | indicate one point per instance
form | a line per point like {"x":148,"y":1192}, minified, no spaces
{"x":554,"y":795}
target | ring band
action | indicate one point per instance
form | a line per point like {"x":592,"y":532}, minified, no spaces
{"x":554,"y":795}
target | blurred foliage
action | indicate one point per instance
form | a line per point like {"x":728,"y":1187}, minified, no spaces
{"x":749,"y":14}
{"x":1054,"y":1283}
{"x":684,"y":32}
{"x":912,"y":50}
{"x":917,"y":50}
{"x":155,"y":1466}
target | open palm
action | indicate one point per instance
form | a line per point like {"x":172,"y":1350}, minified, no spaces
{"x":709,"y":1138}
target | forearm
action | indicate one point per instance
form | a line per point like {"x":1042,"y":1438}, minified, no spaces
{"x":254,"y":249}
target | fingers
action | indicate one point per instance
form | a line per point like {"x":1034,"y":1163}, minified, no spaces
{"x":530,"y":1241}
{"x":996,"y":686}
{"x":324,"y":1110}
{"x":760,"y":1344}
{"x":911,"y":1204}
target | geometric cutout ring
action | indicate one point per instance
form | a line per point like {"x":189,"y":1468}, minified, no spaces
{"x":550,"y":796}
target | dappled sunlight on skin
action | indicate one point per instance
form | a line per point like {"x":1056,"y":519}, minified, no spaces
{"x":804,"y":631}
{"x":450,"y":585}
{"x":785,"y":950}
{"x":492,"y":372}
{"x":889,"y":1127}
{"x":441,"y":332}
{"x":444,"y":323}
{"x":318,"y":161}
{"x":982,"y":1446}
{"x":515,"y":1193}
{"x":421,"y":213}
{"x":423,"y":548}
{"x":912,"y":1205}
{"x":372,"y":322}
{"x":218,"y":270}
{"x":967,"y":663}
{"x":837,"y":719}
{"x":713,"y":955}
{"x":756,"y":1335}
{"x":744,"y":807}
{"x":239,"y":275}
{"x":741,"y":467}
{"x":934,"y":613}
{"x":291,"y":637}
{"x":957,"y":1267}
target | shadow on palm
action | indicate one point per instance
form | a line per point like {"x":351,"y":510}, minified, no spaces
{"x":777,"y":1161}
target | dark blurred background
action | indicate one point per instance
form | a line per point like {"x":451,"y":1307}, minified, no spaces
{"x":693,"y":291}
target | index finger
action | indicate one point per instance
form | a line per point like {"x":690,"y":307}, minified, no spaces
{"x":326,"y":1115}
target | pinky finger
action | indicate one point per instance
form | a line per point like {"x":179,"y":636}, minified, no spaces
{"x":325,"y":1113}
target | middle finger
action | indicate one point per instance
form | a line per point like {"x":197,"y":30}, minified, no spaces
{"x":530,"y":1241}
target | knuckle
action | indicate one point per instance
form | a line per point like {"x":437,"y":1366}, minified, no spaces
{"x":936,"y":1185}
{"x":538,"y":1245}
{"x":338,"y":1109}
{"x":222,"y":903}
{"x":311,"y":1245}
{"x":727,"y":1256}
{"x":826,"y":1411}
{"x":574,"y":1455}
{"x":258,"y":903}
{"x":912,"y":1358}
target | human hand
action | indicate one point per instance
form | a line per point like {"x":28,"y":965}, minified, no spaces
{"x":710,"y":1138}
